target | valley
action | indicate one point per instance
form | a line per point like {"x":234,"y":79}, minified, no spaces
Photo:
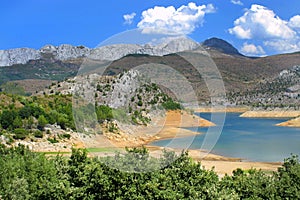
{"x":119,"y":107}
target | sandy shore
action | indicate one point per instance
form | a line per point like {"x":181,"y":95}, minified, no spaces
{"x":169,"y":127}
{"x":172,"y":127}
{"x":227,"y":167}
{"x":220,"y":164}
{"x":271,"y":114}
{"x":226,"y":109}
{"x":291,"y":123}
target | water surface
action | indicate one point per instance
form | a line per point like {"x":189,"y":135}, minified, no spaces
{"x":255,"y":139}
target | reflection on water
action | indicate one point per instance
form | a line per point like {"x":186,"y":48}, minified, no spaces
{"x":255,"y":139}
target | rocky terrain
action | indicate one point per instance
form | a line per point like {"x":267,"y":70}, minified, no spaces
{"x":282,"y":91}
{"x":112,"y":52}
{"x":263,"y":83}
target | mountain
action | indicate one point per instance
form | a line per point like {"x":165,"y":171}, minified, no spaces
{"x":221,"y":45}
{"x":247,"y":80}
{"x":112,"y":52}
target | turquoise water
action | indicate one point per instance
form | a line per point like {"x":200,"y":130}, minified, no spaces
{"x":254,"y":139}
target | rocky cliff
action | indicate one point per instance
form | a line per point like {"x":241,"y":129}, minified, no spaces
{"x":111,"y":52}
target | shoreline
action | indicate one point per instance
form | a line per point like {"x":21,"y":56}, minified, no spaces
{"x":169,"y":127}
{"x":291,"y":123}
{"x":222,"y":109}
{"x":271,"y":114}
{"x":221,"y":164}
{"x":294,"y":114}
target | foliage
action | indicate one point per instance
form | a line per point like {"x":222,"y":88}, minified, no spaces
{"x":29,"y":175}
{"x":13,"y":88}
{"x":171,"y":105}
{"x":20,"y":133}
{"x":42,"y":122}
{"x":103,"y":113}
{"x":34,"y":112}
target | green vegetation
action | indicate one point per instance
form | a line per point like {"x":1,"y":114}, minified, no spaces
{"x":47,"y":70}
{"x":29,"y":175}
{"x":171,"y":105}
{"x":23,"y":117}
{"x":104,"y":112}
{"x":13,"y":88}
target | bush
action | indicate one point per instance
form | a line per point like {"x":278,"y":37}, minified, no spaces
{"x":20,"y":134}
{"x":53,"y":140}
{"x":38,"y":134}
{"x":65,"y":136}
{"x":42,"y":121}
{"x":103,"y":113}
{"x":171,"y":105}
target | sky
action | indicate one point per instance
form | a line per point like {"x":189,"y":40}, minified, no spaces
{"x":255,"y":28}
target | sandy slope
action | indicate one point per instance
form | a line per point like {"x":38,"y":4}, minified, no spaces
{"x":271,"y":114}
{"x":291,"y":123}
{"x":225,"y":109}
{"x":167,"y":127}
{"x":171,"y":128}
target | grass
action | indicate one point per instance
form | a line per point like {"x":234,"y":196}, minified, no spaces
{"x":89,"y":150}
{"x":55,"y":153}
{"x":102,"y":149}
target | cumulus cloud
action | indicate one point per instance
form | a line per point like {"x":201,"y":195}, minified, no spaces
{"x":252,"y":50}
{"x":169,"y":20}
{"x":129,"y":18}
{"x":261,"y":22}
{"x":295,"y":22}
{"x":284,"y":46}
{"x":237,"y":2}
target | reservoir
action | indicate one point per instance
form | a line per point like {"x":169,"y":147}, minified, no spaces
{"x":251,"y":139}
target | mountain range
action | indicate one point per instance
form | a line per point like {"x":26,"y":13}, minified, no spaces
{"x":241,"y":74}
{"x":111,"y":52}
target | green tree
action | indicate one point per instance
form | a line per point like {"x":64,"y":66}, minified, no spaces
{"x":7,"y":118}
{"x":42,"y":122}
{"x":17,"y":123}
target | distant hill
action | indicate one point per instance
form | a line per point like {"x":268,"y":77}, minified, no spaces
{"x":242,"y":75}
{"x":221,"y":45}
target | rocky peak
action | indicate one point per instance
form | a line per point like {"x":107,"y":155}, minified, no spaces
{"x":221,"y":45}
{"x":110,"y":52}
{"x":18,"y":56}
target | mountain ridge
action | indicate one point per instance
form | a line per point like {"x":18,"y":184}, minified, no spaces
{"x":221,"y":45}
{"x":110,"y":52}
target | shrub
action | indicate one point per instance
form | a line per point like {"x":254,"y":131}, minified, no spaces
{"x":171,"y":105}
{"x":104,"y":112}
{"x":20,"y":134}
{"x":53,"y":140}
{"x":65,"y":136}
{"x":38,"y":134}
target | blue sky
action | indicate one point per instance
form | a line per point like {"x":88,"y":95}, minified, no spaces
{"x":262,"y":27}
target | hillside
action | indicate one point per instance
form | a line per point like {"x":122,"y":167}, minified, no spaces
{"x":116,"y":107}
{"x":221,"y":46}
{"x":247,"y":80}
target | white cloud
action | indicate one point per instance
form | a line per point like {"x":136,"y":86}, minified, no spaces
{"x":295,"y":22}
{"x":252,"y":50}
{"x":237,"y":2}
{"x":129,"y":18}
{"x":169,"y":20}
{"x":210,"y":8}
{"x":262,"y":23}
{"x":284,"y":46}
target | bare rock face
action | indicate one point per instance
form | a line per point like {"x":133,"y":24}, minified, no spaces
{"x":65,"y":51}
{"x":125,"y":85}
{"x":18,"y":56}
{"x":113,"y":52}
{"x":110,"y":52}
